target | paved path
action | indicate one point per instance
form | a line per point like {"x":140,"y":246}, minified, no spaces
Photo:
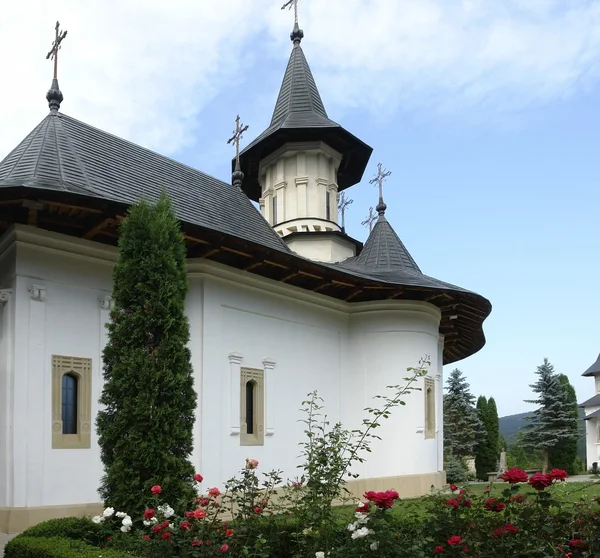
{"x":4,"y":538}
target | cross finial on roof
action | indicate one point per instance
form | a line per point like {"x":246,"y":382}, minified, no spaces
{"x":238,"y":175}
{"x":54,"y":95}
{"x":381,"y":175}
{"x":368,"y":222}
{"x":343,"y":203}
{"x":297,"y":34}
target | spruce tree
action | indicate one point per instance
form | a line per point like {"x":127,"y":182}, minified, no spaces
{"x":563,"y":455}
{"x":462,"y":427}
{"x":145,"y":427}
{"x":552,"y":423}
{"x":492,"y":426}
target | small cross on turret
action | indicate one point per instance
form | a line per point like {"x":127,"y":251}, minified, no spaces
{"x":56,"y":46}
{"x":368,"y":222}
{"x":381,"y":175}
{"x":343,"y":203}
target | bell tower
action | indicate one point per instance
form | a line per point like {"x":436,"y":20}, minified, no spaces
{"x":296,"y":168}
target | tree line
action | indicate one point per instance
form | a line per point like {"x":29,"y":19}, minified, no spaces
{"x":472,"y":430}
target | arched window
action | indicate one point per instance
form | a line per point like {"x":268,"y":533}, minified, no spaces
{"x":69,"y":404}
{"x":327,"y":206}
{"x":429,"y":408}
{"x":598,"y":434}
{"x":250,"y":419}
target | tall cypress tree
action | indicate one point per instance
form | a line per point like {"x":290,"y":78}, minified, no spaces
{"x":487,"y":451}
{"x":483,"y":463}
{"x":145,"y":427}
{"x":462,"y":426}
{"x":552,"y":423}
{"x":563,"y":455}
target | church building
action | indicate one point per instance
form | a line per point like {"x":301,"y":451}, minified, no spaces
{"x":281,"y":302}
{"x":592,"y":416}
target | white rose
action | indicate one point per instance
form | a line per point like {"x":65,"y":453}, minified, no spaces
{"x":97,"y":519}
{"x":319,"y":554}
{"x":127,"y":521}
{"x":120,"y":514}
{"x":108,"y":512}
{"x":374,"y":545}
{"x":125,"y":528}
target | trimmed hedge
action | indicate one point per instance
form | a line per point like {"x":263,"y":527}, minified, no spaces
{"x":76,"y":528}
{"x":56,"y":547}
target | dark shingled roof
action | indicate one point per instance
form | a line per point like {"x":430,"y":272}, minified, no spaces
{"x":592,"y":402}
{"x":595,"y":414}
{"x":299,"y":116}
{"x":594,"y":369}
{"x":385,"y":257}
{"x":64,"y":154}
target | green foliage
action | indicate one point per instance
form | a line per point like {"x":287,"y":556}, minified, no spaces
{"x":552,"y":423}
{"x":455,"y":470}
{"x":521,"y":456}
{"x":486,"y":456}
{"x":563,"y":455}
{"x":145,"y":427}
{"x":56,"y":547}
{"x":463,"y":428}
{"x":76,"y":528}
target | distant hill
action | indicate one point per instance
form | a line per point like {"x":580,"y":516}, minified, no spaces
{"x":511,"y":424}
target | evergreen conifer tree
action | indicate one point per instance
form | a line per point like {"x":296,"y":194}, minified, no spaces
{"x":563,"y":456}
{"x":552,"y":423}
{"x":486,"y":458}
{"x":145,"y":426}
{"x":462,"y":426}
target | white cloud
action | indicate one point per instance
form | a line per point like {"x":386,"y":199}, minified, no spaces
{"x":146,"y":69}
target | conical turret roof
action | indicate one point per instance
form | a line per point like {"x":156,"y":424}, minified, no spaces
{"x":300,"y":116}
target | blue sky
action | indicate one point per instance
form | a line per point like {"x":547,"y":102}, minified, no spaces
{"x":486,"y":113}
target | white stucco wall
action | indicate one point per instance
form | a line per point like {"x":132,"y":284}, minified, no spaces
{"x":323,"y":249}
{"x":348,"y":353}
{"x":592,"y":444}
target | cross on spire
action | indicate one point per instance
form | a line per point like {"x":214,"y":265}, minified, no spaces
{"x":237,"y":136}
{"x":297,"y":34}
{"x":368,"y":222}
{"x":56,"y":46}
{"x":381,"y":175}
{"x":343,"y":203}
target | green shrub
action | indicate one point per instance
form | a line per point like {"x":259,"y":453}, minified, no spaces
{"x":56,"y":547}
{"x":76,"y":528}
{"x":455,"y":470}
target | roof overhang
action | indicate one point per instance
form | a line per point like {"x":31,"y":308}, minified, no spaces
{"x":355,"y":154}
{"x":594,"y":369}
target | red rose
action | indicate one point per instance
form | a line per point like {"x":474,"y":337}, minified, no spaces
{"x":214,"y":492}
{"x":196,"y":543}
{"x":505,"y":530}
{"x":363,"y":507}
{"x":258,"y":510}
{"x":204,"y":502}
{"x":229,"y":533}
{"x":539,"y":481}
{"x":467,"y":503}
{"x":149,"y":513}
{"x":579,"y":544}
{"x":453,"y":487}
{"x":224,"y":548}
{"x":196,"y":514}
{"x":156,"y":489}
{"x":558,"y":474}
{"x":493,"y":504}
{"x":518,"y":498}
{"x":438,"y":549}
{"x":198,"y":477}
{"x":166,"y":535}
{"x":452,"y":503}
{"x":185,"y":525}
{"x":146,"y":538}
{"x":383,"y":500}
{"x":514,"y":476}
{"x":454,"y":540}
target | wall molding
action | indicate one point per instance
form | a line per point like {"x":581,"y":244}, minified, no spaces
{"x":106,"y":302}
{"x":37,"y":292}
{"x":235,"y":365}
{"x":269,"y":369}
{"x":5,"y":295}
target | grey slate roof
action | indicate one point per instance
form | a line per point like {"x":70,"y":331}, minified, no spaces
{"x":385,"y":258}
{"x":64,"y":154}
{"x":594,"y":369}
{"x":595,"y":414}
{"x":592,"y":401}
{"x":300,"y":116}
{"x":299,"y":103}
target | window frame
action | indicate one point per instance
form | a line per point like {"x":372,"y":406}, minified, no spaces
{"x":256,"y":376}
{"x":429,"y":401}
{"x":81,"y":369}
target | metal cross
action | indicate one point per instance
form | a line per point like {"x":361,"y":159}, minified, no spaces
{"x":343,"y":203}
{"x":382,"y":174}
{"x":289,"y":4}
{"x":53,"y":54}
{"x":237,"y":136}
{"x":368,"y":222}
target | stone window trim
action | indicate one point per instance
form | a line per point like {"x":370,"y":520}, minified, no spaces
{"x":254,"y":434}
{"x":5,"y":295}
{"x":429,"y":402}
{"x":80,"y":368}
